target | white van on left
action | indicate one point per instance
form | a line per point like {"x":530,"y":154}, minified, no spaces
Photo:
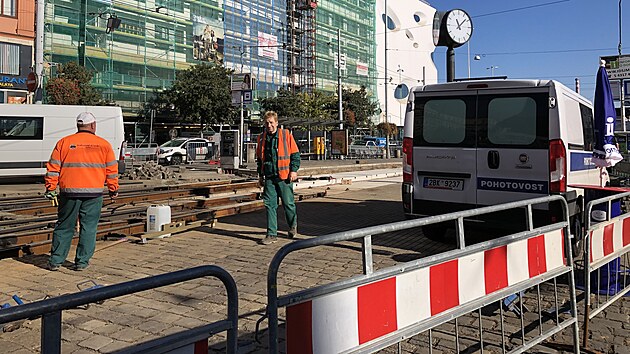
{"x":28,"y":134}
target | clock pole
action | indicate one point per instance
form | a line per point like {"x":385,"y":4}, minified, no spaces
{"x":450,"y":64}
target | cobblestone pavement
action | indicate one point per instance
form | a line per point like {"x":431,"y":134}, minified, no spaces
{"x":232,"y":244}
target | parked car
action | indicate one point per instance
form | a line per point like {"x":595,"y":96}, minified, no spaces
{"x":180,"y":150}
{"x":365,"y":149}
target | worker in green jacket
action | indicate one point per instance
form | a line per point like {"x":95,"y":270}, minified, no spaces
{"x":278,"y":159}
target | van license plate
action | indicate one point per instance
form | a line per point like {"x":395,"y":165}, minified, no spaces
{"x":443,"y":183}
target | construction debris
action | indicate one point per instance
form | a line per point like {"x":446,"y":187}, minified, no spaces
{"x":150,"y":170}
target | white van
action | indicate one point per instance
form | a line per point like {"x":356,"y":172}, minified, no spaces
{"x":479,"y":143}
{"x":29,"y":132}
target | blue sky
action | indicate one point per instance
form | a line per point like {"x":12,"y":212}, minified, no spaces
{"x":538,"y":39}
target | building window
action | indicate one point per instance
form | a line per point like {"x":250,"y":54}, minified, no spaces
{"x":8,"y":8}
{"x":9,"y":59}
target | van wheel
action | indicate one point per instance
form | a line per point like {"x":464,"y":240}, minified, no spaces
{"x":176,"y":159}
{"x":437,"y":232}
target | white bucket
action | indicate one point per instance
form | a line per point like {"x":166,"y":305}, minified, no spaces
{"x":157,"y":216}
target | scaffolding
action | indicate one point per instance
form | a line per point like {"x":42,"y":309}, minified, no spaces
{"x":301,"y":46}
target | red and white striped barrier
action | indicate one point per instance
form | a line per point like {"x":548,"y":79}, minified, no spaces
{"x":350,"y":318}
{"x":607,"y":240}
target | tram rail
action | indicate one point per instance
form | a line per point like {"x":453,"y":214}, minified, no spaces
{"x":28,"y":222}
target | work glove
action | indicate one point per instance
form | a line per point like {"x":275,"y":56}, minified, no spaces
{"x":50,"y":195}
{"x":113,"y":194}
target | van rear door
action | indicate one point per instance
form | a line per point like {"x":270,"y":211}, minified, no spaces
{"x":512,"y":145}
{"x":444,"y":153}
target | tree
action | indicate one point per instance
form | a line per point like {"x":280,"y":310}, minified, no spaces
{"x":362,"y":107}
{"x":301,"y":109}
{"x":286,"y":103}
{"x":73,"y":86}
{"x":387,"y":128}
{"x":63,"y":91}
{"x":317,"y":108}
{"x":200,"y":94}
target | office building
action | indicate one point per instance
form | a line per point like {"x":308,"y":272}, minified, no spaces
{"x":137,"y":47}
{"x":17,"y":34}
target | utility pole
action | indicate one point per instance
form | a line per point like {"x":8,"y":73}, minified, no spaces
{"x":386,"y":110}
{"x":400,"y":71}
{"x":151,"y":127}
{"x":241,"y":132}
{"x":339,"y":78}
{"x":39,"y":50}
{"x":621,"y":93}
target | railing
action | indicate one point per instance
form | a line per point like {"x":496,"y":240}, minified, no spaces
{"x":51,"y":309}
{"x":606,"y":246}
{"x":377,"y":309}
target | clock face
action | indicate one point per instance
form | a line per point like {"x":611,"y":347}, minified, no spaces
{"x":458,"y":26}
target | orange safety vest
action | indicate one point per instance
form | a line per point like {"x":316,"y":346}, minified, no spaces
{"x":80,"y":164}
{"x":286,"y":147}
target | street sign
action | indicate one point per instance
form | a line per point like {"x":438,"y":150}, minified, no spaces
{"x":244,"y":96}
{"x":342,"y":59}
{"x":31,"y":82}
{"x":617,"y":66}
{"x":247,"y":97}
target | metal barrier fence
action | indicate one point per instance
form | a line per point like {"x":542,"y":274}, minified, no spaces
{"x":197,"y":151}
{"x":607,"y":246}
{"x":50,"y":310}
{"x":141,"y":153}
{"x":377,"y":309}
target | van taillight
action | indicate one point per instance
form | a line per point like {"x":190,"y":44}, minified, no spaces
{"x":123,"y":151}
{"x":557,"y":167}
{"x":407,"y":153}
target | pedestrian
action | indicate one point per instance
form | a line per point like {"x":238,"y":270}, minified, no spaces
{"x":278,"y":159}
{"x":80,"y":165}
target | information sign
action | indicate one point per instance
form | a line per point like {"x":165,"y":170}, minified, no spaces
{"x":247,"y":97}
{"x":617,"y":66}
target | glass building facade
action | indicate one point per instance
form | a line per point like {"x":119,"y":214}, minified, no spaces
{"x":157,"y":38}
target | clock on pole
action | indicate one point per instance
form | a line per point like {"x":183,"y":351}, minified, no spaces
{"x":451,"y":29}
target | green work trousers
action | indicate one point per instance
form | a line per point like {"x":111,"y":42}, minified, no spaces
{"x":88,"y":210}
{"x":275,"y":188}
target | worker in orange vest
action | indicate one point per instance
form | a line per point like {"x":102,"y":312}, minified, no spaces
{"x":278,"y":159}
{"x":80,"y":165}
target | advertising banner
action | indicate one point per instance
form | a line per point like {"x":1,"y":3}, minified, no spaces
{"x":362,"y":69}
{"x":267,"y":45}
{"x":208,"y":37}
{"x":605,"y":153}
{"x":241,"y":82}
{"x":339,"y":142}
